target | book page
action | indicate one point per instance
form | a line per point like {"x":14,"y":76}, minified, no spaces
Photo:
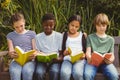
{"x":52,"y":53}
{"x":98,"y":53}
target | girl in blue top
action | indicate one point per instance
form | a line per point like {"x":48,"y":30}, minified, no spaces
{"x":24,"y":39}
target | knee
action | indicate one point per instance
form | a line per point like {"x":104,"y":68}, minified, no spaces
{"x":65,"y":73}
{"x":88,"y":76}
{"x":54,"y":71}
{"x":28,"y":72}
{"x":40,"y":71}
{"x":78,"y":74}
{"x":113,"y":76}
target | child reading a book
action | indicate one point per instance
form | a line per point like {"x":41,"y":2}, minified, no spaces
{"x":25,"y":39}
{"x":73,"y":39}
{"x":101,"y":43}
{"x":48,"y":42}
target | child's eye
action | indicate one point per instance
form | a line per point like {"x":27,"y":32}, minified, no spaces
{"x":21,"y":25}
{"x":72,"y":25}
{"x":76,"y":26}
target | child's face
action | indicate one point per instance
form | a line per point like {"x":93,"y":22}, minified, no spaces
{"x":19,"y":25}
{"x":48,"y":26}
{"x":101,"y":28}
{"x":74,"y":26}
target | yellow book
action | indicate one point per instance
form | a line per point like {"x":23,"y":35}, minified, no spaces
{"x":42,"y":57}
{"x":75,"y":56}
{"x":22,"y":56}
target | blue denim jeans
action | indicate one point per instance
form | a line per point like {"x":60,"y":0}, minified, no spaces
{"x":42,"y":68}
{"x":108,"y":70}
{"x":68,"y":69}
{"x":16,"y":70}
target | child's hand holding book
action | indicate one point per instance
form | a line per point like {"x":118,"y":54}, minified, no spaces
{"x":82,"y":57}
{"x":97,"y":59}
{"x":66,"y":52}
{"x":13,"y":54}
{"x":32,"y":56}
{"x":23,"y":57}
{"x":75,"y":55}
{"x":108,"y":58}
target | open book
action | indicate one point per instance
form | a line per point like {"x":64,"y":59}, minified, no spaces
{"x":42,"y":57}
{"x":75,"y":56}
{"x":22,"y":56}
{"x":97,"y":59}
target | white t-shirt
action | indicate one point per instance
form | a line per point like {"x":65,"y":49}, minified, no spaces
{"x":49,"y":43}
{"x":75,"y":44}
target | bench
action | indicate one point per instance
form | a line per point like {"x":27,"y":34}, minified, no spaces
{"x":4,"y":75}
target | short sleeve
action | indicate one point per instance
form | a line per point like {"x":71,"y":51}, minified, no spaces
{"x":60,"y":42}
{"x":112,"y":45}
{"x":33,"y":34}
{"x":9,"y":35}
{"x":88,"y":41}
{"x":37,"y":42}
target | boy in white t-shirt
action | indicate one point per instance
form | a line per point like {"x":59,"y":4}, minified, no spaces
{"x":47,"y":42}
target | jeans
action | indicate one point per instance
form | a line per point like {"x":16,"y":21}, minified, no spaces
{"x":108,"y":70}
{"x":16,"y":70}
{"x":42,"y":68}
{"x":68,"y":69}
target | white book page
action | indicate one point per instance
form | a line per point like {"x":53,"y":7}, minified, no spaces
{"x":20,"y":49}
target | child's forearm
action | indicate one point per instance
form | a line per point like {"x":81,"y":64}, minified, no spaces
{"x":88,"y":54}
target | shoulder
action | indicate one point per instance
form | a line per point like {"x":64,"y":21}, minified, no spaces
{"x":57,"y":33}
{"x":110,"y":38}
{"x":31,"y":32}
{"x":84,"y":34}
{"x":11,"y":34}
{"x":40,"y":34}
{"x":92,"y":35}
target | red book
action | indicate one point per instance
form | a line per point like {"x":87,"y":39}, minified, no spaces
{"x":97,"y":59}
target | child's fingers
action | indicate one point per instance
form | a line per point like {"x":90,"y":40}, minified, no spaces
{"x":107,"y":61}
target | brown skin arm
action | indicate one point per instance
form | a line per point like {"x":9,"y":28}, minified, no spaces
{"x":85,"y":34}
{"x":66,"y":52}
{"x":60,"y":58}
{"x":83,"y":57}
